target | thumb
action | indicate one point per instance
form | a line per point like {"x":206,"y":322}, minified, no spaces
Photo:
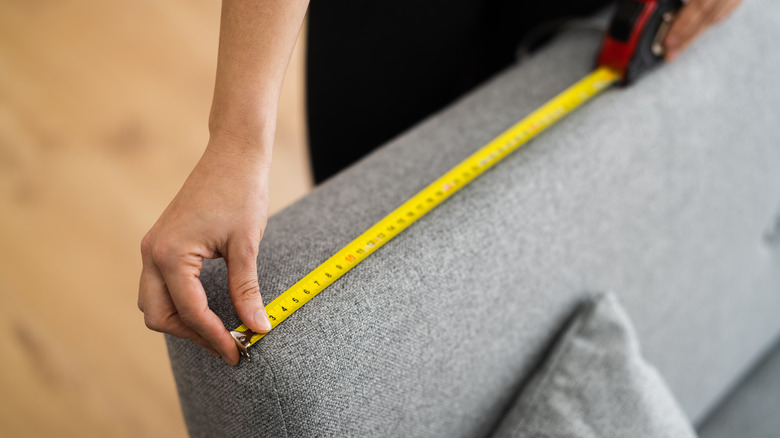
{"x":244,"y":287}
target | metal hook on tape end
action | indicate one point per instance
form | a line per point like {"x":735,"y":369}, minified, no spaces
{"x":243,"y":341}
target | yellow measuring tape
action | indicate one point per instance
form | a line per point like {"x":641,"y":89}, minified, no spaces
{"x":431,"y":196}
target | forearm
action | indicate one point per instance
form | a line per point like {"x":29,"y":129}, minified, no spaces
{"x":255,"y":43}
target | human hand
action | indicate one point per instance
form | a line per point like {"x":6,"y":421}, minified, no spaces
{"x":693,"y":19}
{"x":220,"y":211}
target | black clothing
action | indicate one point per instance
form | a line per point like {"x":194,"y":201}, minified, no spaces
{"x":375,"y":68}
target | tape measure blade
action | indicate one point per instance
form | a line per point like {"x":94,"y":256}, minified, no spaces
{"x":434,"y":195}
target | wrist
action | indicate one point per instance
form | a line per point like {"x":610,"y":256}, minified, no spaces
{"x":248,"y":135}
{"x":241,"y":116}
{"x":246,"y":131}
{"x":245,"y":148}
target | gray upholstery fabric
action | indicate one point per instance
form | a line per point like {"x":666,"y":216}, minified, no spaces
{"x":661,"y":192}
{"x":751,"y":410}
{"x":596,"y":384}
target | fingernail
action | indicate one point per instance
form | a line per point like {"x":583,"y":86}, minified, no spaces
{"x":262,"y":321}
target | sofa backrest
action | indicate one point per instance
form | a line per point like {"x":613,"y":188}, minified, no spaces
{"x":660,"y":193}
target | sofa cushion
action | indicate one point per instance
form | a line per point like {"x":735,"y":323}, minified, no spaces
{"x":596,"y":384}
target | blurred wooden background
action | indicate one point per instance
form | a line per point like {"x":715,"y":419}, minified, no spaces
{"x":103,"y":111}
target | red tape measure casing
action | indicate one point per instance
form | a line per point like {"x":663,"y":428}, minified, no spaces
{"x":634,"y":42}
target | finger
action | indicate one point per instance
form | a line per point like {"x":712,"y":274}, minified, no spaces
{"x":244,"y":287}
{"x":212,"y":351}
{"x":693,"y":20}
{"x":682,"y":47}
{"x":689,"y":21}
{"x":722,"y":10}
{"x":160,"y":313}
{"x":188,"y":296}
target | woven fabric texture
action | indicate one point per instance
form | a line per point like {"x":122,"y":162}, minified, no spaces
{"x":596,"y":384}
{"x":661,"y":193}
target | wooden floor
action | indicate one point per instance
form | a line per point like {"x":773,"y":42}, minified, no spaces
{"x":103,"y":110}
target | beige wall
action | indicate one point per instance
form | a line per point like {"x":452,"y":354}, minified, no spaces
{"x":103,"y":110}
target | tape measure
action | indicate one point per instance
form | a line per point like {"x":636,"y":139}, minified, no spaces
{"x":426,"y":200}
{"x":617,"y":65}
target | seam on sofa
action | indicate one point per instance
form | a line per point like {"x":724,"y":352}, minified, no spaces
{"x":276,"y":394}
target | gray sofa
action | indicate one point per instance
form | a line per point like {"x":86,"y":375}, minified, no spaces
{"x":665,"y":194}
